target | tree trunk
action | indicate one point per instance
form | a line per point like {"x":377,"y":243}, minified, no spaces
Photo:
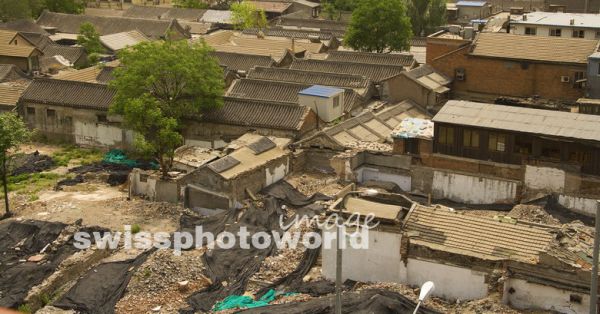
{"x":5,"y":185}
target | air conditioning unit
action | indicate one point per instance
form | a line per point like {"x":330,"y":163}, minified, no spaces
{"x":564,"y":79}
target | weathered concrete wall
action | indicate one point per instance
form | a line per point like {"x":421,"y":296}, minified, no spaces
{"x":142,"y":185}
{"x":544,"y":179}
{"x":197,"y":197}
{"x":167,"y":191}
{"x":381,"y":262}
{"x":586,"y":206}
{"x":451,"y":282}
{"x":473,"y":190}
{"x":528,"y":295}
{"x":97,"y":134}
{"x":421,"y":179}
{"x":371,"y":173}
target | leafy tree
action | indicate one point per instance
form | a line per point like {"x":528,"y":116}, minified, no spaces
{"x":245,"y":15}
{"x":14,"y":10}
{"x":65,"y":6}
{"x":379,"y":25}
{"x":157,"y":85}
{"x":426,"y":15}
{"x":13,"y":132}
{"x":89,"y":38}
{"x":346,"y":5}
{"x":190,"y":4}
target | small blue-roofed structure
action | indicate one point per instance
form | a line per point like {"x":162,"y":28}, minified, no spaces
{"x":321,"y":91}
{"x":471,"y":3}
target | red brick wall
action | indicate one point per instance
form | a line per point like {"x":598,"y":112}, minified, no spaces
{"x":509,"y":78}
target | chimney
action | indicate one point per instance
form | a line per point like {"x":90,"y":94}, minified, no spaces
{"x":572,"y":22}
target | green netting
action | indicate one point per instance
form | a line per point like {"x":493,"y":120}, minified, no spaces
{"x":244,"y":302}
{"x":118,"y":156}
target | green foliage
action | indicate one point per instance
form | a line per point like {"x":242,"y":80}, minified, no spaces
{"x":190,"y":4}
{"x":379,"y":25}
{"x":65,"y":6}
{"x":135,"y":229}
{"x":329,"y":10}
{"x":24,"y":308}
{"x":14,"y":9}
{"x":158,"y":84}
{"x":89,"y":38}
{"x":245,"y":15}
{"x":346,"y":5}
{"x":426,"y":15}
{"x":83,"y":155}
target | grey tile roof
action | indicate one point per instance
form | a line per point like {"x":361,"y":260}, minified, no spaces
{"x":10,"y":72}
{"x":519,"y":119}
{"x":216,"y":16}
{"x":242,"y":62}
{"x":28,"y":26}
{"x":375,"y":72}
{"x":38,"y":39}
{"x":281,"y":92}
{"x":295,"y":33}
{"x":69,"y":94}
{"x":313,"y":23}
{"x":258,"y":113}
{"x":105,"y":25}
{"x":313,"y":78}
{"x":397,"y":59}
{"x":165,"y":13}
{"x":73,"y":54}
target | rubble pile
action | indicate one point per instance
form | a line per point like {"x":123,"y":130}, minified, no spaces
{"x":309,"y":184}
{"x":371,"y":146}
{"x":163,"y":282}
{"x":533,"y":213}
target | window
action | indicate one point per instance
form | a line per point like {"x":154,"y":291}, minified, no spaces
{"x":471,"y":139}
{"x":556,"y":32}
{"x":579,"y":79}
{"x":523,"y":145}
{"x":597,"y":34}
{"x":50,"y":113}
{"x":336,"y":101}
{"x":578,"y":34}
{"x":30,"y":111}
{"x":530,"y":31}
{"x":497,"y":142}
{"x":411,"y":146}
{"x":446,"y":136}
{"x":102,"y":118}
{"x":459,"y":74}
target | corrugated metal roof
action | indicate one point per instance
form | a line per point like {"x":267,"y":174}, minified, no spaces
{"x":519,"y":119}
{"x":321,"y":91}
{"x":534,"y":48}
{"x":481,"y":237}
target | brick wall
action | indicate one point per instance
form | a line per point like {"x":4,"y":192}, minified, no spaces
{"x":509,"y":78}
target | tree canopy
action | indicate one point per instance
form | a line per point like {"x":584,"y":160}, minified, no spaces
{"x":89,"y":39}
{"x":158,"y":84}
{"x":379,"y":26}
{"x":426,"y":15}
{"x":245,"y":15}
{"x":13,"y":132}
{"x":190,"y":4}
{"x":26,"y":9}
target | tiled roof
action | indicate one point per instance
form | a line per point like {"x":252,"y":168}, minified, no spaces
{"x":122,"y":40}
{"x":216,"y":16}
{"x":312,"y":78}
{"x":295,"y":33}
{"x":16,"y":51}
{"x":10,"y":72}
{"x":10,"y":93}
{"x":313,"y":23}
{"x":281,"y":92}
{"x":197,"y":28}
{"x":69,"y":94}
{"x":38,"y":39}
{"x":6,"y":36}
{"x":163,"y":13}
{"x":398,"y":59}
{"x":28,"y":26}
{"x":375,"y":72}
{"x":534,"y":48}
{"x":520,"y":119}
{"x":70,"y":23}
{"x":427,"y":77}
{"x":481,"y":237}
{"x":70,"y":53}
{"x":258,"y":113}
{"x":271,"y":6}
{"x":89,"y":75}
{"x":228,"y":41}
{"x":242,"y":62}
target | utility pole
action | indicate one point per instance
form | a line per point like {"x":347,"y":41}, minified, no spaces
{"x":594,"y":275}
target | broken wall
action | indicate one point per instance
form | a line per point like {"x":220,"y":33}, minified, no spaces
{"x":522,"y":294}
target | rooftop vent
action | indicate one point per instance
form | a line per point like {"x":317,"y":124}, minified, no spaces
{"x":223,"y":164}
{"x":262,"y":145}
